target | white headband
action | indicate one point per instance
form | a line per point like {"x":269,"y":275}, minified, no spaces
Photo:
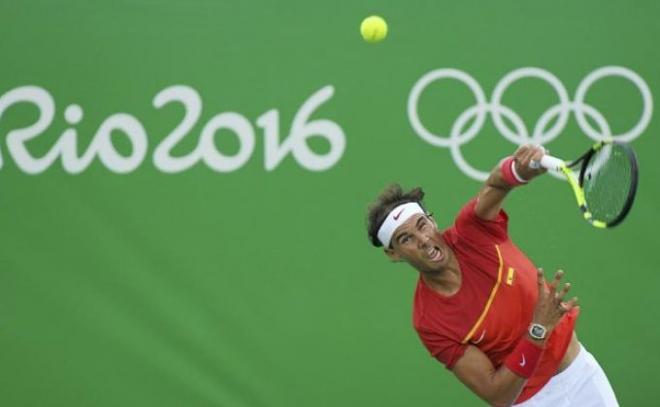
{"x":396,"y":218}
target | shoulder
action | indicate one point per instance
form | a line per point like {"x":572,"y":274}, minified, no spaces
{"x":440,"y":324}
{"x":435,"y":314}
{"x":471,"y":227}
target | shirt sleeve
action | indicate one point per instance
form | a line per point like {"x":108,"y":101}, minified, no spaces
{"x":446,"y":350}
{"x":471,"y":227}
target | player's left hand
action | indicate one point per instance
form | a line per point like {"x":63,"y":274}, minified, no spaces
{"x":524,"y":156}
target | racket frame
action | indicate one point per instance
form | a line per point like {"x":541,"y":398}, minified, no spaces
{"x":630,"y":198}
{"x":576,"y":181}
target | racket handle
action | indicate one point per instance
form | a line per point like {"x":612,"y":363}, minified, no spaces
{"x":549,"y":162}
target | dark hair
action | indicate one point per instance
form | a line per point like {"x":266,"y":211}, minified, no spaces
{"x":390,"y":198}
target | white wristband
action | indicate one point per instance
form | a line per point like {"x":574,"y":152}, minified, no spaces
{"x":515,"y":173}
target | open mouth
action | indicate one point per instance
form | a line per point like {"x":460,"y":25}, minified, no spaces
{"x":435,"y":254}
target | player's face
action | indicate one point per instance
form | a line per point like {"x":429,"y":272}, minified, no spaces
{"x":419,"y":243}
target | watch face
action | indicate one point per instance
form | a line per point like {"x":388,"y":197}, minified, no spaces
{"x":537,"y":331}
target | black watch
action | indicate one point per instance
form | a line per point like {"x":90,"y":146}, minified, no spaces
{"x":538,"y":332}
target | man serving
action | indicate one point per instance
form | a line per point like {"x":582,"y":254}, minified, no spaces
{"x":481,"y":307}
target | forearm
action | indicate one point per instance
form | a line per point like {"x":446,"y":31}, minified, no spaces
{"x":504,"y":387}
{"x":499,"y":386}
{"x":509,"y":173}
{"x":496,"y":180}
{"x":492,"y":194}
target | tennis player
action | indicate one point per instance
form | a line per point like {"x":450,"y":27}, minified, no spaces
{"x":481,"y":307}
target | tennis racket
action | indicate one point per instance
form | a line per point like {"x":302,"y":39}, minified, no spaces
{"x":603,"y":179}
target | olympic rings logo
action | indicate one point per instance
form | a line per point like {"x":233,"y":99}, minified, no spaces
{"x":542,"y":133}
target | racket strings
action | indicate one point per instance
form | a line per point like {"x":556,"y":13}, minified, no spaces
{"x":607,"y":181}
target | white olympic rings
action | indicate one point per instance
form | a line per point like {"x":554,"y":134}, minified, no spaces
{"x":519,"y":135}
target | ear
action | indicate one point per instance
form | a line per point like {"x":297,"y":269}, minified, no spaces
{"x":394,"y":256}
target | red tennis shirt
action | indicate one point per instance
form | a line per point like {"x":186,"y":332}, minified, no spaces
{"x":494,"y":305}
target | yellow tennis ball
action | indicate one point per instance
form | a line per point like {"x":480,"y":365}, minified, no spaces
{"x":373,"y":29}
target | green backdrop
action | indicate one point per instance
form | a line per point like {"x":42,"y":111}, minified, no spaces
{"x":231,"y":267}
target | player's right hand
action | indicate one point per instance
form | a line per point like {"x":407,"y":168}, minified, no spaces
{"x":550,"y":305}
{"x":524,"y":156}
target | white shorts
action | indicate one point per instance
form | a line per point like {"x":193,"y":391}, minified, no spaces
{"x":583,"y":383}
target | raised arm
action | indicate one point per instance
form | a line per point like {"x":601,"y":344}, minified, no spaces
{"x":509,"y":173}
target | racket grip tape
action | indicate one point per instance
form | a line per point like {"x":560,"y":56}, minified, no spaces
{"x":549,"y":162}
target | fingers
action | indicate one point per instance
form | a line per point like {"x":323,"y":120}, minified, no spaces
{"x":550,"y":306}
{"x":556,"y":280}
{"x":560,"y":295}
{"x":569,"y":305}
{"x":536,"y":153}
{"x":540,"y":279}
{"x":562,"y":306}
{"x":521,"y":151}
{"x":552,"y":289}
{"x":528,"y":153}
